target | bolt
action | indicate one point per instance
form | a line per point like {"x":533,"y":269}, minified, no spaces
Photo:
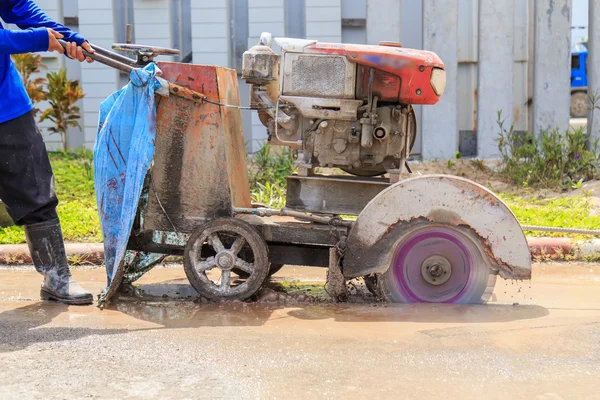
{"x":419,"y":92}
{"x":323,"y":124}
{"x":436,"y":270}
{"x":422,"y":68}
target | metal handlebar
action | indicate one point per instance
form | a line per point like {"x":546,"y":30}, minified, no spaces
{"x":140,"y":48}
{"x":126,"y":64}
{"x":106,"y":57}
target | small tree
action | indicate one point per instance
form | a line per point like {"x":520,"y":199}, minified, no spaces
{"x":62,"y":96}
{"x":28,"y":64}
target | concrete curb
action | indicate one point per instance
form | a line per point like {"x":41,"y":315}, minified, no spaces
{"x":563,"y":248}
{"x":78,"y":253}
{"x":540,"y":247}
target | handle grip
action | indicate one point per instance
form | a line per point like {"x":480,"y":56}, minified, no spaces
{"x":105,"y":57}
{"x":114,"y":60}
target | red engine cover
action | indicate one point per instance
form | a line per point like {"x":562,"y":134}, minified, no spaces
{"x":402,"y":75}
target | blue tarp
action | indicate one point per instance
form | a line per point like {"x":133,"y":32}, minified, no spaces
{"x":123,"y":154}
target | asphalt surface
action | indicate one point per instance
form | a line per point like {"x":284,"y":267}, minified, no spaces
{"x":538,"y":340}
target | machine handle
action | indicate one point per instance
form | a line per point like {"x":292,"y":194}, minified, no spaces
{"x":143,"y":49}
{"x":105,"y":57}
{"x":121,"y":63}
{"x":189,"y":94}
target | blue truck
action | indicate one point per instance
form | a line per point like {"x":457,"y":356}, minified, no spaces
{"x":579,"y":97}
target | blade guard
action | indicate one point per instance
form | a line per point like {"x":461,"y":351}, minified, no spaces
{"x":440,"y":199}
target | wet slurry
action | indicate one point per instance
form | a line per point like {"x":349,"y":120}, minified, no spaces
{"x":534,"y":340}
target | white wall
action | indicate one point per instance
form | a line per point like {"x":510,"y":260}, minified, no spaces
{"x":323,"y":20}
{"x":210,"y":32}
{"x":580,"y":18}
{"x":263,"y":16}
{"x":152,"y":25}
{"x":98,"y":81}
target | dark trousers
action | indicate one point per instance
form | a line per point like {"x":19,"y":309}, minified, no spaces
{"x":26,"y":179}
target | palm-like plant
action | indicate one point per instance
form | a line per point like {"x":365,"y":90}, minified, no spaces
{"x":29,"y":64}
{"x":62,"y":95}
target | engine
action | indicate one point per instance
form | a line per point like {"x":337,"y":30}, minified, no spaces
{"x":342,"y":105}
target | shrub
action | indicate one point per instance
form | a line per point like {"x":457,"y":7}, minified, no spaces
{"x":267,"y":174}
{"x":270,"y":167}
{"x":28,"y":64}
{"x":554,"y":159}
{"x":62,"y":96}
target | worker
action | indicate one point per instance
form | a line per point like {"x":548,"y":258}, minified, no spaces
{"x":26,"y":179}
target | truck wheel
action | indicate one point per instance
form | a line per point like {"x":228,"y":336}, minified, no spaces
{"x":579,"y":105}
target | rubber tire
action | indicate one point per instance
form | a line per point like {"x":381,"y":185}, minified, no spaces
{"x":579,"y":101}
{"x":259,"y":249}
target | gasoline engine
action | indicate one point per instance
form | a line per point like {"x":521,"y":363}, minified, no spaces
{"x":342,"y":106}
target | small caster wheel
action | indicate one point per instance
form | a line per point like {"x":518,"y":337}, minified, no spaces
{"x":217,"y":248}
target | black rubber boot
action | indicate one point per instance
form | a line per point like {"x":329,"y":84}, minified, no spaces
{"x":47,"y":250}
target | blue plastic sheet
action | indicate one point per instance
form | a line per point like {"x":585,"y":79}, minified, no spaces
{"x":123,"y":154}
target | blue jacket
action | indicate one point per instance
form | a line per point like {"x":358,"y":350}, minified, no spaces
{"x":33,"y":37}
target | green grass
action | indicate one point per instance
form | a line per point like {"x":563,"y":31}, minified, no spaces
{"x":77,"y":208}
{"x":79,"y":217}
{"x":565,"y":212}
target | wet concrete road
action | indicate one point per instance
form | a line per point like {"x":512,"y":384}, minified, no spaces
{"x":545,"y":347}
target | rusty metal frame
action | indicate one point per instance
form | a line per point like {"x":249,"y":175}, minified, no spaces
{"x":339,"y":195}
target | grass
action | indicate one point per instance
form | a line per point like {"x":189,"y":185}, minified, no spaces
{"x":78,"y":213}
{"x":77,"y":208}
{"x":564,"y":212}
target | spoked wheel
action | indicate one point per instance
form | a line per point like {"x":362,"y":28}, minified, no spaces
{"x":219,"y":247}
{"x":438,"y":264}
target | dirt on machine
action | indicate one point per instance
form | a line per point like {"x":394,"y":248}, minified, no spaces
{"x":434,"y":238}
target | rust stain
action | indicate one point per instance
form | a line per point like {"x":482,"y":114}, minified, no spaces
{"x":477,"y":190}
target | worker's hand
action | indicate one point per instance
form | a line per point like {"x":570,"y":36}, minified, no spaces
{"x":76,"y":52}
{"x":88,"y":47}
{"x":53,"y":44}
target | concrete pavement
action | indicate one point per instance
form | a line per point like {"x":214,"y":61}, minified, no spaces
{"x":538,"y":341}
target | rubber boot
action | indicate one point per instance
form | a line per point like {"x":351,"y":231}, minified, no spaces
{"x":48,"y":254}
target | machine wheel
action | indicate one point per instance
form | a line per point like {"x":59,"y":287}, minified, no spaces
{"x":224,"y":245}
{"x":437,"y":264}
{"x":579,"y":104}
{"x":273,"y":269}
